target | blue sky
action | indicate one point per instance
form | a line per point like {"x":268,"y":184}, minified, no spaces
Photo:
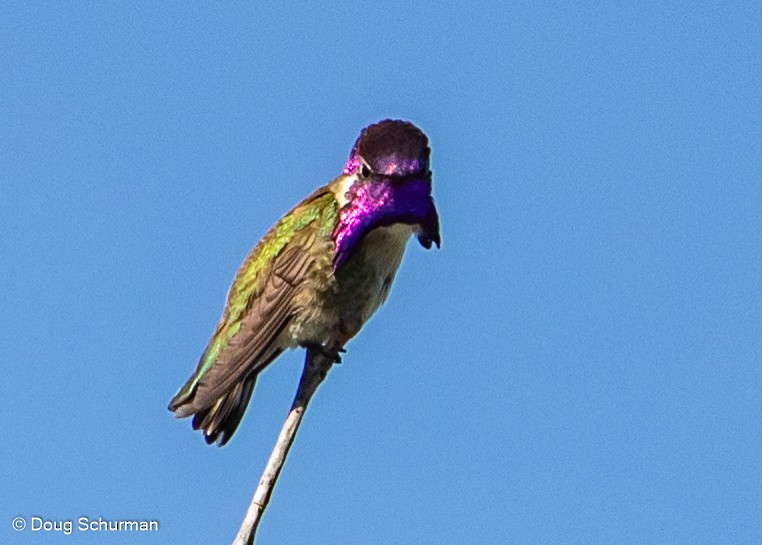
{"x":579,"y":363}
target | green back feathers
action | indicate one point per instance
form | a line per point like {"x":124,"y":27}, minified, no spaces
{"x":318,"y":211}
{"x":320,"y":207}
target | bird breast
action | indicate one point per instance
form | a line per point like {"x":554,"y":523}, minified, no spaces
{"x":364,"y":280}
{"x":359,"y":288}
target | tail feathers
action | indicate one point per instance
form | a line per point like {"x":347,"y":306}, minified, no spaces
{"x":219,"y":421}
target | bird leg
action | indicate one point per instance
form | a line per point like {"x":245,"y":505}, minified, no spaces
{"x":327,"y":351}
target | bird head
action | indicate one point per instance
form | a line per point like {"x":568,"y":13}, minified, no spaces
{"x":389,"y":164}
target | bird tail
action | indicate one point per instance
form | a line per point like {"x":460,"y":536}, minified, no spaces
{"x":219,"y":420}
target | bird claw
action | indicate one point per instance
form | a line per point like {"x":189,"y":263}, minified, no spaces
{"x":333,"y":354}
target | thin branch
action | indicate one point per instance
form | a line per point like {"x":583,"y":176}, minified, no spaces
{"x":316,"y":365}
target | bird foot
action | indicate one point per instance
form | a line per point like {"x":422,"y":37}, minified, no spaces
{"x":331,"y":353}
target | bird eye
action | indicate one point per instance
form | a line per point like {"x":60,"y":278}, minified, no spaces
{"x":365,"y":171}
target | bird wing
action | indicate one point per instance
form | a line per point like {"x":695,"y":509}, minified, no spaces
{"x":260,"y":303}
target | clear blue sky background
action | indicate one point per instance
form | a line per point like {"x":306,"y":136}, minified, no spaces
{"x":579,"y":363}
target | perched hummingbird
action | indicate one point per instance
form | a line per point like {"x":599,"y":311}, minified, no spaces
{"x":319,"y":273}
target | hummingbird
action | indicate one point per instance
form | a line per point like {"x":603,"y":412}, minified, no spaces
{"x":318,"y":274}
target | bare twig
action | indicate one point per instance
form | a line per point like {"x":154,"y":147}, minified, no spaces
{"x":316,"y":365}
